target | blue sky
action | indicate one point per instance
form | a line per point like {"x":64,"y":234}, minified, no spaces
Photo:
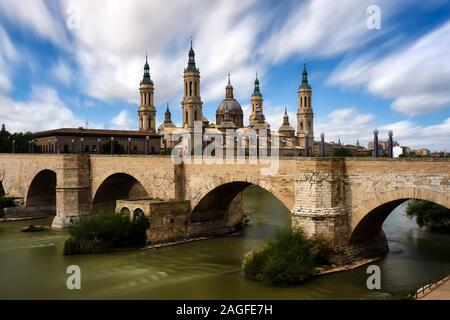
{"x":65,"y":62}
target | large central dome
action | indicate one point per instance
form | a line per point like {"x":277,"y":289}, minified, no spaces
{"x":230,"y":108}
{"x":231,"y":105}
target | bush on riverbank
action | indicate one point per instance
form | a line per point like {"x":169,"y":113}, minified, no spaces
{"x":104,"y":232}
{"x":289,"y":259}
{"x":429,"y":214}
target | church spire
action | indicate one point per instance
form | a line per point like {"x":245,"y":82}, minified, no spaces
{"x":256,"y":91}
{"x":305,"y":83}
{"x":229,"y":89}
{"x":191,"y":62}
{"x":146,"y":78}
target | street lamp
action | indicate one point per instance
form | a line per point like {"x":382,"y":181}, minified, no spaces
{"x":129,"y":145}
{"x":98,"y":146}
{"x":375,"y":143}
{"x":112,"y":145}
{"x":81,"y":145}
{"x":322,"y":144}
{"x":14,"y":146}
{"x":391,"y":144}
{"x":147,"y":138}
{"x":73,"y":144}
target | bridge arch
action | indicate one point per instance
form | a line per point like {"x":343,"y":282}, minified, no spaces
{"x":367,"y":221}
{"x":41,"y":192}
{"x":117,"y":186}
{"x":213,"y":202}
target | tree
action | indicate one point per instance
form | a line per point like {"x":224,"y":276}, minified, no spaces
{"x":21,"y":142}
{"x":342,"y":152}
{"x":429,"y":214}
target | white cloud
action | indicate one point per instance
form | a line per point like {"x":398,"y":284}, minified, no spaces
{"x":36,"y":16}
{"x":349,"y":124}
{"x":324,"y":28}
{"x":123,"y":121}
{"x":43,"y":110}
{"x":416,"y":77}
{"x":62,"y":72}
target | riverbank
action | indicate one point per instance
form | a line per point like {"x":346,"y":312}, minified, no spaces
{"x":437,"y":290}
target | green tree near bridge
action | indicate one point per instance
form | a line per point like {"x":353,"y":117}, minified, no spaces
{"x":429,"y":214}
{"x":21,"y":142}
{"x":289,"y":259}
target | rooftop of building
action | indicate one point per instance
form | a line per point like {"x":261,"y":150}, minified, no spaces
{"x":93,"y":132}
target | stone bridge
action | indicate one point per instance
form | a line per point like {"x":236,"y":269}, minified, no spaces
{"x":344,"y":200}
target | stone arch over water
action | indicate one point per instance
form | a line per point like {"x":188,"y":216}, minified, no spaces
{"x":117,"y":186}
{"x":42,"y":191}
{"x":366,"y":223}
{"x":222,"y":202}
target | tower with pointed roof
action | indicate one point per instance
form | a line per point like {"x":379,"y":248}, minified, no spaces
{"x":192,"y":103}
{"x":286,"y":129}
{"x":305,"y":115}
{"x":167,"y":120}
{"x":256,"y":101}
{"x":147,"y":111}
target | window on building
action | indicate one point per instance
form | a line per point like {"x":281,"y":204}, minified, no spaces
{"x":190,"y":88}
{"x":195,"y":87}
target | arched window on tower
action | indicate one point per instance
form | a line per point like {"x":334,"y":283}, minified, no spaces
{"x":149,"y":123}
{"x":309,"y":125}
{"x":195,"y":116}
{"x":186,"y":117}
{"x":301,"y":125}
{"x":190,"y":88}
{"x":301,"y":101}
{"x":185,"y":89}
{"x":309,"y":102}
{"x":195,"y":87}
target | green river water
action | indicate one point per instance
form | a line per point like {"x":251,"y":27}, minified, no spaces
{"x":32,"y":265}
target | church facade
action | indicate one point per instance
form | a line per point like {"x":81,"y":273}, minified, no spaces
{"x":229,"y":116}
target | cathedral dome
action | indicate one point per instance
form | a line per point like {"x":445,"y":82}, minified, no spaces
{"x":231,"y":105}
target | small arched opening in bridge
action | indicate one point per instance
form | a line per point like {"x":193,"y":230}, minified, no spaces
{"x":119,"y":186}
{"x":138,"y":213}
{"x":231,"y":202}
{"x":125,"y":211}
{"x":41,"y":194}
{"x":368,"y":227}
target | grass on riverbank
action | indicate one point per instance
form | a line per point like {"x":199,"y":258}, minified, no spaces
{"x":104,"y":232}
{"x":289,"y":259}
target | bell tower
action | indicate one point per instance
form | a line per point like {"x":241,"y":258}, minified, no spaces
{"x":192,"y":103}
{"x":147,"y":111}
{"x":305,"y":115}
{"x":256,"y":101}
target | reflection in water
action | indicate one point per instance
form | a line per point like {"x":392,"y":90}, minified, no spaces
{"x":32,"y":264}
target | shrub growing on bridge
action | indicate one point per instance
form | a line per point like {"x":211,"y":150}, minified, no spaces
{"x":289,"y":259}
{"x":102,"y":233}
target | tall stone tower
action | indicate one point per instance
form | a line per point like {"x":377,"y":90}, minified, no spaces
{"x":147,"y":111}
{"x":192,"y":102}
{"x":305,"y":115}
{"x":257,"y":102}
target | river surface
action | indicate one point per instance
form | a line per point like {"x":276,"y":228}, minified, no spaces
{"x":32,"y":265}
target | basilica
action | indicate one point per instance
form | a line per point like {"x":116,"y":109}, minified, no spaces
{"x":229,"y":114}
